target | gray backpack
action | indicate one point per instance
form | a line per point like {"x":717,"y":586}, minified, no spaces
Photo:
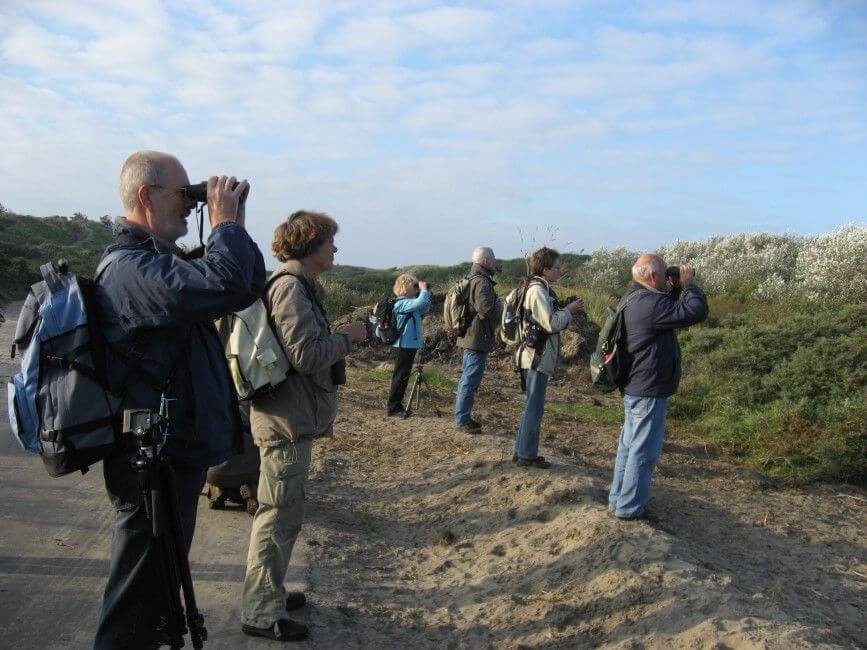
{"x":59,"y":404}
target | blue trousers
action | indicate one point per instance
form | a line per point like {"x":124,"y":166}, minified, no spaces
{"x":637,"y":453}
{"x":472,"y":370}
{"x":134,"y":595}
{"x":527,"y":442}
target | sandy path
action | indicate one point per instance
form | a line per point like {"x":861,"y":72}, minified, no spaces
{"x":424,"y":538}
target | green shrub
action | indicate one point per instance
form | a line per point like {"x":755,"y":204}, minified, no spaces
{"x":786,"y":395}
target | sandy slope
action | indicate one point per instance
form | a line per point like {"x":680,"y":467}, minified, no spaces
{"x":423,"y":537}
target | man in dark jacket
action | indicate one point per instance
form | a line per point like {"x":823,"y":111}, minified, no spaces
{"x":157,"y":309}
{"x":485,"y":311}
{"x":653,"y":362}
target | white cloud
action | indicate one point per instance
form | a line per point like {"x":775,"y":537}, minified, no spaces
{"x":392,"y":114}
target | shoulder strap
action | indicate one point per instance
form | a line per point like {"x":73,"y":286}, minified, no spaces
{"x":106,"y":261}
{"x":310,"y":290}
{"x":625,"y":300}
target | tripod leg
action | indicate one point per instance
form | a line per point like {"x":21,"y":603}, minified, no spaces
{"x":195,"y":621}
{"x":412,"y":393}
{"x":164,"y":551}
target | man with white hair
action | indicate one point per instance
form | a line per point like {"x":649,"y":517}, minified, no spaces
{"x":156,"y":308}
{"x":477,"y":341}
{"x":653,"y":367}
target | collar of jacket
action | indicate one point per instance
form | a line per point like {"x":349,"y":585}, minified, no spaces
{"x":478,"y":269}
{"x":542,"y":280}
{"x":296,"y":267}
{"x":127,"y":232}
{"x":640,"y":285}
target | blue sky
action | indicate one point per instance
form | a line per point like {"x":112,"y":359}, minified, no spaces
{"x":428,"y":128}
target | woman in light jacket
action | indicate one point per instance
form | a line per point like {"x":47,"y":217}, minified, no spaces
{"x":413,"y":302}
{"x":285,"y":422}
{"x":538,"y":364}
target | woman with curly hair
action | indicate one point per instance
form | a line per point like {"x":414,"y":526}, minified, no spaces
{"x":413,"y":302}
{"x":285,"y":421}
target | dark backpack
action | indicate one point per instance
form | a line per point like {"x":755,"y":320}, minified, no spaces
{"x":386,"y":321}
{"x":607,"y":367}
{"x":518,"y":327}
{"x":59,"y":402}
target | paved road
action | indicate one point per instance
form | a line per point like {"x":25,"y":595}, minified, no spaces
{"x":54,"y":539}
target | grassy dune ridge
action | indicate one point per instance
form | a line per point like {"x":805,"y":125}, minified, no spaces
{"x":777,"y":376}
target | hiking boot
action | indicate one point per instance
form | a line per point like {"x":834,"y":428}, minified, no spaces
{"x":295,"y":600}
{"x":284,"y":630}
{"x":644,"y":515}
{"x":538,"y":461}
{"x":396,"y":411}
{"x":472,"y":427}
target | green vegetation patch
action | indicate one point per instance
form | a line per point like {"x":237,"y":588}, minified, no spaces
{"x":586,"y":412}
{"x":28,"y":242}
{"x":782,"y":387}
{"x":434,"y":377}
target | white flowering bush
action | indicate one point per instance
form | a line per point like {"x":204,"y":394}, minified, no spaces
{"x":735,"y":262}
{"x":774,"y":287}
{"x":827,"y":269}
{"x":832,"y":268}
{"x":609,"y":269}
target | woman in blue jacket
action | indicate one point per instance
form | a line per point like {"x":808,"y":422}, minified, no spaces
{"x":413,"y":302}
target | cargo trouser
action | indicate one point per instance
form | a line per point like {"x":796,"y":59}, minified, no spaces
{"x":284,"y":471}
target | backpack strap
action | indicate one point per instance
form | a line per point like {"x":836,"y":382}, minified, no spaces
{"x":106,"y":261}
{"x":310,"y":290}
{"x":52,"y":279}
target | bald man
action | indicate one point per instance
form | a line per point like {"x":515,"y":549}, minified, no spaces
{"x":478,"y":339}
{"x":653,"y":359}
{"x":157,"y":310}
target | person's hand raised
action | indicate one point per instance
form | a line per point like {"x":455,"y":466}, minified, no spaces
{"x":687,"y":275}
{"x":576,"y":305}
{"x":224,"y":198}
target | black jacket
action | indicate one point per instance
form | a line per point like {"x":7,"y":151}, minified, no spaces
{"x":152,"y":300}
{"x":652,"y":350}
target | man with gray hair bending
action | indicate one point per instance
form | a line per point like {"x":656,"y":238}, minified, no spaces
{"x":485,"y":310}
{"x":652,"y":361}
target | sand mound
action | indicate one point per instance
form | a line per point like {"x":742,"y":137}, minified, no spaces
{"x":426,"y":538}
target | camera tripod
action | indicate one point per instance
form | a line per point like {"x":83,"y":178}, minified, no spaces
{"x":157,"y":484}
{"x":419,"y":381}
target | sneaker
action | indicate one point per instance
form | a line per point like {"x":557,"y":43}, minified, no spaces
{"x":284,"y":630}
{"x":295,"y":600}
{"x":538,"y":461}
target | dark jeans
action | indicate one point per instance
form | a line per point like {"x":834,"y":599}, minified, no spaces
{"x":400,"y":378}
{"x":134,"y":595}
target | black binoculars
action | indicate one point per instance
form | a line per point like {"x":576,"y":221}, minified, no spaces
{"x":199,"y":191}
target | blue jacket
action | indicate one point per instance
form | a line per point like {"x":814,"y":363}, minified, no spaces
{"x":154,"y":303}
{"x":652,"y":350}
{"x":407,"y":316}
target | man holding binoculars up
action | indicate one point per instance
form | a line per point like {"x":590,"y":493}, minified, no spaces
{"x":156,"y":308}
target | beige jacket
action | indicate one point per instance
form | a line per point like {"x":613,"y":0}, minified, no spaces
{"x":304,"y":405}
{"x":539,"y":303}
